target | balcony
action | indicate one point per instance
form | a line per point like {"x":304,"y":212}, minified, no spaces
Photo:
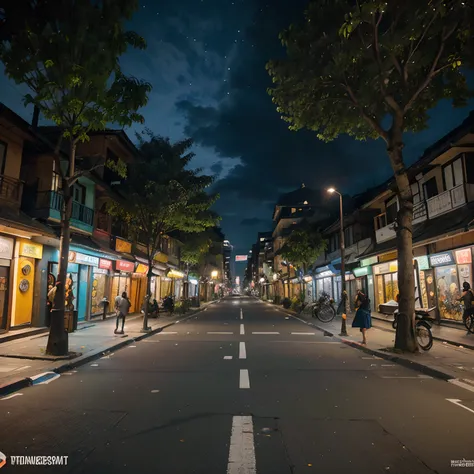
{"x":79,"y":212}
{"x":385,"y":233}
{"x":420,"y":212}
{"x":447,"y":201}
{"x":11,"y":190}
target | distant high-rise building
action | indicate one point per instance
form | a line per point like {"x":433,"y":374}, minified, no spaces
{"x":227,"y":255}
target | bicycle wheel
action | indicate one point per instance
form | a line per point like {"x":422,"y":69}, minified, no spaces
{"x":326,"y":313}
{"x":424,"y":336}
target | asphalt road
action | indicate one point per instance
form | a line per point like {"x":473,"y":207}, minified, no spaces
{"x":241,"y":389}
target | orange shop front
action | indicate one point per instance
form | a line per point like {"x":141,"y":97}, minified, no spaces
{"x":122,"y":278}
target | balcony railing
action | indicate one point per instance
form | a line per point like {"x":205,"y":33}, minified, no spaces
{"x":79,"y":213}
{"x":11,"y":189}
{"x":385,"y":233}
{"x":447,"y":201}
{"x":420,"y":212}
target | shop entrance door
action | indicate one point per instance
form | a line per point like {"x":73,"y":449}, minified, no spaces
{"x":4,"y":275}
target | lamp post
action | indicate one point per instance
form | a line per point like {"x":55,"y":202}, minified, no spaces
{"x":343,"y":265}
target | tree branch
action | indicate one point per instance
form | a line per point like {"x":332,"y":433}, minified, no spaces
{"x":370,"y":120}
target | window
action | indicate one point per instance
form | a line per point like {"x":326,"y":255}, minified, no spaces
{"x":79,"y":193}
{"x":392,"y":211}
{"x":293,"y":210}
{"x":349,"y":236}
{"x":380,"y":221}
{"x":334,"y":242}
{"x":431,"y":188}
{"x":453,"y":174}
{"x":415,"y":191}
{"x":3,"y":156}
{"x":469,"y":158}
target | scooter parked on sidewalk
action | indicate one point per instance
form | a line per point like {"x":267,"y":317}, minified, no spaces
{"x":423,"y":326}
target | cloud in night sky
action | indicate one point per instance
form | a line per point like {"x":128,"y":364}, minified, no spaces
{"x":206,"y":60}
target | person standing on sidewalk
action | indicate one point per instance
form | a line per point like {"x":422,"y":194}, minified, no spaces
{"x":122,"y":306}
{"x":363,"y":318}
{"x":468,"y":300}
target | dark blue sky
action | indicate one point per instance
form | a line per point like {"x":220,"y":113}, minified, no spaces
{"x":206,"y":62}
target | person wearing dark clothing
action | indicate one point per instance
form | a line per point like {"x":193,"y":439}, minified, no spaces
{"x":468,"y":301}
{"x":362,"y":319}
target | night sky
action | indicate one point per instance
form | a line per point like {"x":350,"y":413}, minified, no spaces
{"x":206,"y":62}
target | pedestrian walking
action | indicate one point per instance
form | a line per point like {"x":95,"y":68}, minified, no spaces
{"x":363,"y":318}
{"x":468,"y":300}
{"x":122,"y":306}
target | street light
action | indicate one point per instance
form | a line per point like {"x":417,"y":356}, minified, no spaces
{"x":343,"y":265}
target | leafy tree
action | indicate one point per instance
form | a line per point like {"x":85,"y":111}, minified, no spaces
{"x":163,"y":196}
{"x":70,"y":62}
{"x":373,"y":69}
{"x":304,"y":245}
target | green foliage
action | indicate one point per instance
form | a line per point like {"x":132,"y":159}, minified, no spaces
{"x":67,"y":52}
{"x":195,"y":247}
{"x":351,"y":64}
{"x":303,"y":246}
{"x":163,"y":195}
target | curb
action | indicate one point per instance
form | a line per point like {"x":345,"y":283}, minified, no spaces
{"x":424,"y":369}
{"x":27,"y":381}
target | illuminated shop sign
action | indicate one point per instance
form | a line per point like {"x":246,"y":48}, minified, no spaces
{"x":105,"y":264}
{"x":76,"y":257}
{"x":124,"y":266}
{"x":369,"y":261}
{"x":445,"y":258}
{"x":463,"y":256}
{"x":423,"y":262}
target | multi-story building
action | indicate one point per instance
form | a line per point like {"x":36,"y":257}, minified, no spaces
{"x":227,"y":256}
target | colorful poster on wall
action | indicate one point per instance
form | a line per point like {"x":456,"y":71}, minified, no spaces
{"x":448,"y":293}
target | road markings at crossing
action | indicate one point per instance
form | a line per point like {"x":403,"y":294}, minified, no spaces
{"x":459,"y":404}
{"x":268,"y":333}
{"x":220,"y":332}
{"x":462,"y":384}
{"x":244,"y":381}
{"x":242,"y":330}
{"x":227,"y":357}
{"x":242,"y":351}
{"x":242,"y":447}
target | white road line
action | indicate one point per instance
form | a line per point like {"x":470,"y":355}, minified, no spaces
{"x":242,"y":330}
{"x":242,"y":447}
{"x":219,"y":332}
{"x":459,"y":404}
{"x":13,"y":395}
{"x":303,"y":333}
{"x":266,"y":333}
{"x":241,"y":314}
{"x":242,"y":351}
{"x":167,"y":333}
{"x":227,"y":357}
{"x":462,"y":384}
{"x":417,"y":377}
{"x":244,"y":379}
{"x":22,"y":368}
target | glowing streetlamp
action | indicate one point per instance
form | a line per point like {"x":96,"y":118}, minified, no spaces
{"x":343,"y":266}
{"x":214,"y":274}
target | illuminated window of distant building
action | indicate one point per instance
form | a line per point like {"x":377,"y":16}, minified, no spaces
{"x":293,"y":210}
{"x":306,"y":202}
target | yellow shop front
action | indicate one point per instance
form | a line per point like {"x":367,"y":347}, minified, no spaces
{"x":27,"y":254}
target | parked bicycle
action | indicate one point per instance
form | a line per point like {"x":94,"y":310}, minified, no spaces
{"x":324,"y":308}
{"x":423,"y":326}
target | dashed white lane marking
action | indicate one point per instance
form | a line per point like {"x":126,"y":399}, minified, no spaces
{"x":219,"y":332}
{"x":241,"y":314}
{"x":244,"y":381}
{"x":132,"y":346}
{"x":242,"y":329}
{"x":167,"y":333}
{"x":154,"y":391}
{"x":227,"y":357}
{"x":205,"y":309}
{"x":242,"y":351}
{"x":303,"y":333}
{"x":417,"y":377}
{"x":462,"y":384}
{"x":242,"y":447}
{"x":13,"y":395}
{"x":94,"y":365}
{"x":459,"y":404}
{"x":270,"y":333}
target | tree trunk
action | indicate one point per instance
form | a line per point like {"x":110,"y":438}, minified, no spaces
{"x":147,"y":296}
{"x":405,"y":336}
{"x":58,"y":341}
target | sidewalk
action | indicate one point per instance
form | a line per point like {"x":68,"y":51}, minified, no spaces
{"x":443,"y":361}
{"x":24,"y":358}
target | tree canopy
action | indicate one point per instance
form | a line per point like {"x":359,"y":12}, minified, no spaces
{"x":163,"y":194}
{"x":304,"y":245}
{"x":350,"y":64}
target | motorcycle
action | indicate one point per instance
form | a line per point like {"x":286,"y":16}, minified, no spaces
{"x":168,"y":304}
{"x":423,"y":327}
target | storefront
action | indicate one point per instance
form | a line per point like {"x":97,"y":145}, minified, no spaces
{"x":360,"y":281}
{"x":122,"y":278}
{"x":6,"y":255}
{"x":386,"y":283}
{"x":24,"y":280}
{"x":452,"y":269}
{"x":101,"y":285}
{"x":139,"y":287}
{"x":324,"y":281}
{"x":426,"y":283}
{"x":309,"y":289}
{"x":176,"y":283}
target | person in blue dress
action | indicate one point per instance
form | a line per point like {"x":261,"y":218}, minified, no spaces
{"x":362,"y":319}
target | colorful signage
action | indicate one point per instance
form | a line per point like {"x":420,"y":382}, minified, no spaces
{"x":393,"y":267}
{"x":241,"y":258}
{"x":30,"y":249}
{"x":160,"y":257}
{"x":76,"y":257}
{"x":6,"y":248}
{"x":388,"y":256}
{"x":445,"y":258}
{"x":124,"y":266}
{"x":143,"y":269}
{"x":381,"y":269}
{"x":105,"y":264}
{"x":324,"y":274}
{"x":175,"y":274}
{"x":362,"y":271}
{"x":369,"y":261}
{"x":463,"y":256}
{"x":123,"y":246}
{"x":423,"y":262}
